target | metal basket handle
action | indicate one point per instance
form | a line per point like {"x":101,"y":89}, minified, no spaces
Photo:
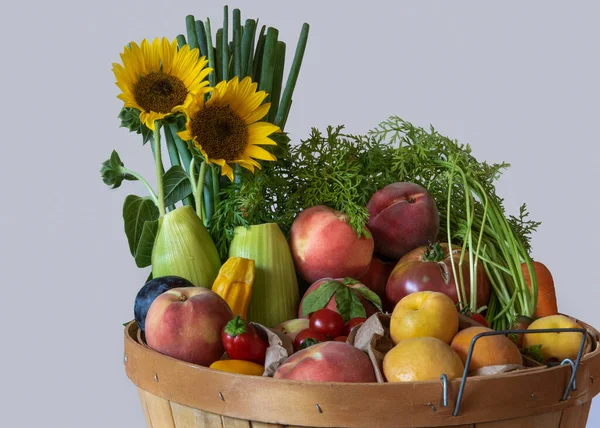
{"x":575,"y":366}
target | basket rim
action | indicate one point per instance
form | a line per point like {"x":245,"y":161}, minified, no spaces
{"x":234,"y":395}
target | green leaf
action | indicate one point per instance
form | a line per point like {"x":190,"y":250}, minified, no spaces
{"x":130,"y":119}
{"x":113,"y":171}
{"x":534,"y":352}
{"x":356,"y":307}
{"x":137,"y":211}
{"x":143,"y":253}
{"x":350,"y":281}
{"x":176,"y":184}
{"x":370,"y":295}
{"x":309,"y":341}
{"x":318,"y":298}
{"x":343,"y":301}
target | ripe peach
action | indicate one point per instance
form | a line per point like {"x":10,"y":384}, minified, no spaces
{"x":328,"y":362}
{"x":377,"y":275}
{"x":403,"y":216}
{"x":424,"y":313}
{"x":488,"y":351}
{"x":186,"y":323}
{"x":555,"y":346}
{"x":325,"y":246}
{"x":421,"y":358}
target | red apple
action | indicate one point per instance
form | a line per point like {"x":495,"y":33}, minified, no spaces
{"x":325,"y":246}
{"x":402,"y":216}
{"x":186,"y":323}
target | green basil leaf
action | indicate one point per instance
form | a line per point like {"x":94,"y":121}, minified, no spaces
{"x":370,"y":295}
{"x":176,"y":184}
{"x":143,"y":254}
{"x":350,"y":281}
{"x":136,"y":212}
{"x":319,"y":298}
{"x":356,"y":307}
{"x":343,"y":301}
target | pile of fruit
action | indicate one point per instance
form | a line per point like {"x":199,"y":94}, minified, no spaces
{"x":403,"y":301}
{"x":336,"y":258}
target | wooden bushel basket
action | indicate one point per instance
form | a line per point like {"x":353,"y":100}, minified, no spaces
{"x":175,"y":394}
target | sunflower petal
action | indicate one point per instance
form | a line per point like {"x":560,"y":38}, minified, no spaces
{"x":259,"y":153}
{"x":259,"y":131}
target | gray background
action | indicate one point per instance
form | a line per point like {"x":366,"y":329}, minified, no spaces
{"x":516,"y":80}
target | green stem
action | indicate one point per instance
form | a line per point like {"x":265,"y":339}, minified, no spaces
{"x":192,"y":172}
{"x":225,"y":44}
{"x":216,"y":189}
{"x":143,"y":180}
{"x":212,"y":77}
{"x":159,"y":170}
{"x":199,"y":190}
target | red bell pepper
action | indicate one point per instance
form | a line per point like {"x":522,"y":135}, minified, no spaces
{"x":243,"y":342}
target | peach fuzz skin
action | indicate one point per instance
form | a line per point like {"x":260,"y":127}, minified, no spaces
{"x":328,"y":362}
{"x":324,"y":246}
{"x":402,"y":216}
{"x":186,"y":323}
{"x":488,"y":351}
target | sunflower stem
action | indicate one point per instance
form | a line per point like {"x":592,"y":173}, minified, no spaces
{"x":215,"y":189}
{"x":159,"y":170}
{"x":199,"y":189}
{"x":143,"y":180}
{"x":174,"y":157}
{"x":208,"y":198}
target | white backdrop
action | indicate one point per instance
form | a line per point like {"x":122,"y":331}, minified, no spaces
{"x":516,"y":80}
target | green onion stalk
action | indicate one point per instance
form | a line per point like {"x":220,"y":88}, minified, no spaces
{"x":488,"y":239}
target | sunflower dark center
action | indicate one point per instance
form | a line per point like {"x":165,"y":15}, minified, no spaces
{"x":159,"y":92}
{"x":220,"y":132}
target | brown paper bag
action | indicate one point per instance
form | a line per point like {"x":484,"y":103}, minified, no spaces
{"x":280,"y":348}
{"x":373,"y":337}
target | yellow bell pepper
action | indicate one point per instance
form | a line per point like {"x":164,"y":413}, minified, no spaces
{"x":234,"y":284}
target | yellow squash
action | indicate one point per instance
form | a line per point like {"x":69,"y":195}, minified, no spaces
{"x":238,"y":366}
{"x":234,"y":284}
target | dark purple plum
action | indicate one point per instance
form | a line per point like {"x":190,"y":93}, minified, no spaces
{"x":150,"y":291}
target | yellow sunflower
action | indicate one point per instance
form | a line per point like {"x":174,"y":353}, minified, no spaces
{"x":158,"y":79}
{"x":227,"y":130}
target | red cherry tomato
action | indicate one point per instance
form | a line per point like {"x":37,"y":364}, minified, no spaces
{"x":353,"y":323}
{"x":327,"y":322}
{"x":310,"y":335}
{"x":340,"y":339}
{"x":480,"y":319}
